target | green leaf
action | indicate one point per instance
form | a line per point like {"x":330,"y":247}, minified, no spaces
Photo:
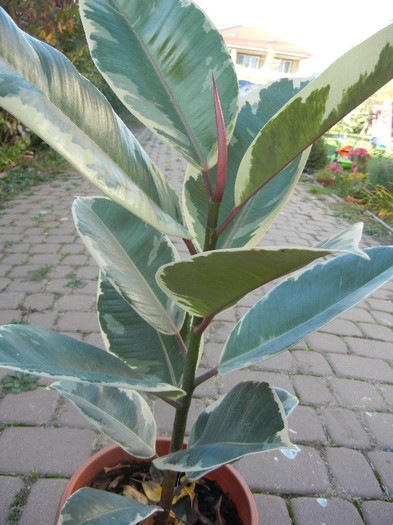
{"x":50,"y":354}
{"x":256,"y":108}
{"x":42,"y":88}
{"x":131,"y":338}
{"x":158,"y":56}
{"x":302,"y":304}
{"x":98,"y":507}
{"x":121,"y":415}
{"x":249,"y":418}
{"x":208,"y":283}
{"x":129,"y":253}
{"x":326,"y":100}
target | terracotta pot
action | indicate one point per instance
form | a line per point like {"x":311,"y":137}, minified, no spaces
{"x":227,"y":477}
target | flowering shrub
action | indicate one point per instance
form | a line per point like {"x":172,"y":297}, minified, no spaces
{"x":334,"y":167}
{"x":360,"y":158}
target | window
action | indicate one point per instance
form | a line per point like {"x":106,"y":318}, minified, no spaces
{"x":284,"y":66}
{"x":250,"y":61}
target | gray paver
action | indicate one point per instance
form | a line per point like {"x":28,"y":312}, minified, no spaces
{"x":321,"y":511}
{"x":9,"y":487}
{"x":39,"y":507}
{"x":381,"y":426}
{"x":272,"y":510}
{"x":56,"y":451}
{"x":29,"y":408}
{"x":286,"y":472}
{"x":353,"y":473}
{"x":378,"y":512}
{"x":382,"y":462}
{"x":345,"y":428}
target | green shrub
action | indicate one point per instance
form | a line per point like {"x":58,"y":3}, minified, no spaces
{"x":318,"y":156}
{"x":380,"y":172}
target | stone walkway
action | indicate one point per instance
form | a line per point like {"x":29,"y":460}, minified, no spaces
{"x":342,"y":375}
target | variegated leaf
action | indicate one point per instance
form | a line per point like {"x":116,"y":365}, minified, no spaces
{"x":121,"y":415}
{"x":98,"y":507}
{"x":50,"y":354}
{"x":42,"y":88}
{"x":302,"y":304}
{"x":250,"y":418}
{"x":256,"y":108}
{"x":129,"y":252}
{"x":344,"y":85}
{"x":210,"y":282}
{"x":131,"y":338}
{"x":166,"y":54}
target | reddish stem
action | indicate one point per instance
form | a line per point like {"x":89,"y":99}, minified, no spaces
{"x":222,"y":161}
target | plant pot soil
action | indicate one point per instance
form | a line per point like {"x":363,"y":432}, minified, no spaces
{"x":226,"y":477}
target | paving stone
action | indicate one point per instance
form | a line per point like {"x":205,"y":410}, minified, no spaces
{"x":282,"y":362}
{"x":75,"y":303}
{"x":357,"y":394}
{"x":55,"y":451}
{"x":313,"y":390}
{"x":321,"y":511}
{"x":286,"y":472}
{"x":381,"y":426}
{"x":70,"y":416}
{"x":353,"y":473}
{"x":79,"y":321}
{"x":275,"y":379}
{"x":358,"y":314}
{"x":384,"y":318}
{"x":341,"y":327}
{"x":380,"y":304}
{"x":34,"y":407}
{"x":305,"y":426}
{"x":378,"y":512}
{"x":42,"y":502}
{"x":311,"y":363}
{"x":382,"y":462}
{"x":387,"y":393}
{"x":322,"y":342}
{"x":376,"y":331}
{"x":370,"y":348}
{"x":361,"y":367}
{"x":43,"y":319}
{"x":272,"y":510}
{"x":38,"y":301}
{"x":344,"y":428}
{"x":9,"y":487}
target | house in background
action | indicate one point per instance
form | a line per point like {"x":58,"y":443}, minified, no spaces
{"x":260,"y":57}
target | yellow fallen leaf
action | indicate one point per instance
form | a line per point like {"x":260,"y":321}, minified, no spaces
{"x":152,"y":490}
{"x":132,"y":493}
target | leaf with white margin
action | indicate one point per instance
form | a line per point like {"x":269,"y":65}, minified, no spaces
{"x":131,"y":338}
{"x":256,"y":108}
{"x":302,"y":304}
{"x":208,"y":283}
{"x":98,"y":507}
{"x":342,"y":87}
{"x":41,"y":87}
{"x":250,"y":418}
{"x":159,"y":57}
{"x":129,"y":252}
{"x":121,"y":415}
{"x":47,"y":353}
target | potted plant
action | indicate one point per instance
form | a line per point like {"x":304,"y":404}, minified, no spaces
{"x":169,"y":66}
{"x":327,"y":175}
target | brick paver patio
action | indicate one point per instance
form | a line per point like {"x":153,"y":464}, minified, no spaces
{"x":342,"y":375}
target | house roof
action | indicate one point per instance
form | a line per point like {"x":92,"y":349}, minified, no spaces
{"x":257,"y":40}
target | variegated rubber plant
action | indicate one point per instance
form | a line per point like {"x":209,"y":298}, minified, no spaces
{"x":169,"y":66}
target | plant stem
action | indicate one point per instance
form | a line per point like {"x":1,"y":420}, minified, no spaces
{"x":181,"y":416}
